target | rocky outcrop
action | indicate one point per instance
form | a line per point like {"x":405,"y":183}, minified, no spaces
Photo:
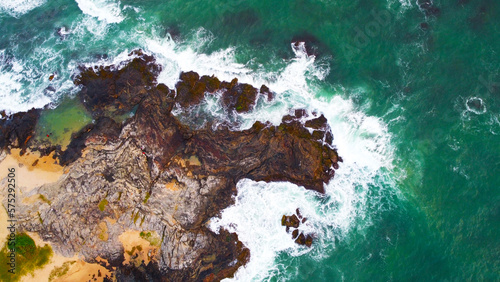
{"x":110,"y":91}
{"x":152,"y":173}
{"x":18,"y":129}
{"x":293,"y":222}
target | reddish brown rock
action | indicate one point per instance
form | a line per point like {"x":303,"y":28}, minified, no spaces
{"x":317,"y":123}
{"x":264,"y":90}
{"x":308,"y":241}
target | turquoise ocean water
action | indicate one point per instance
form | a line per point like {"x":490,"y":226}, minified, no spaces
{"x":412,"y":94}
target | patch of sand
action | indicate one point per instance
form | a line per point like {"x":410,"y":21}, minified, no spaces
{"x":103,"y":227}
{"x":82,"y":271}
{"x":136,"y":248}
{"x":172,"y":185}
{"x":46,"y":169}
{"x":192,"y":161}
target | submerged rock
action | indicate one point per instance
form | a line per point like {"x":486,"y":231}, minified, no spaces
{"x":428,"y":7}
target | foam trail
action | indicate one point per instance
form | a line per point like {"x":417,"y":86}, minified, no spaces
{"x":14,"y":77}
{"x":17,"y":8}
{"x":107,"y":11}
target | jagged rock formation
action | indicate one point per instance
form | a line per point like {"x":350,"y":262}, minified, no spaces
{"x":152,"y":173}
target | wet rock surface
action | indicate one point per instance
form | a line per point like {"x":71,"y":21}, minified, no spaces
{"x":240,"y":97}
{"x":109,"y":91}
{"x":18,"y":129}
{"x":152,"y":173}
{"x":292,"y":223}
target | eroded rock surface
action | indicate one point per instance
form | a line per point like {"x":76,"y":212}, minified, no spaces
{"x":153,"y":174}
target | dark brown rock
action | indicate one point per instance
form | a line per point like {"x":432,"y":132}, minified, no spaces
{"x":297,"y":212}
{"x":294,"y":221}
{"x":264,"y":90}
{"x":290,"y":221}
{"x":190,"y":91}
{"x":108,"y":91}
{"x":300,"y":113}
{"x":18,"y":129}
{"x":212,"y":83}
{"x":240,"y":97}
{"x":158,"y":174}
{"x":236,"y":96}
{"x":266,"y":153}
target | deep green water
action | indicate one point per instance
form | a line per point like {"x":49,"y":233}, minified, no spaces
{"x":429,"y":212}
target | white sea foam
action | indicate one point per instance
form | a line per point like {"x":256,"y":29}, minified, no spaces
{"x":86,"y":25}
{"x":17,"y":8}
{"x":25,"y":83}
{"x":104,"y":10}
{"x":13,"y":79}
